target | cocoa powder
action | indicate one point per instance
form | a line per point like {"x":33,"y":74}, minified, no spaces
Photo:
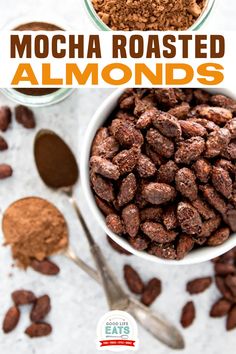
{"x":50,"y":152}
{"x":162,"y":15}
{"x":37,"y":26}
{"x":35,"y":229}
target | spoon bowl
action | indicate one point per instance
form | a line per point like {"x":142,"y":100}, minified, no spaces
{"x":55,"y":161}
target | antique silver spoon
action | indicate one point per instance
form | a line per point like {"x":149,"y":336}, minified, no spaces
{"x":58,"y":169}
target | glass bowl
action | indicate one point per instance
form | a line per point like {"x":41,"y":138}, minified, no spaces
{"x":102,"y":26}
{"x":36,"y":100}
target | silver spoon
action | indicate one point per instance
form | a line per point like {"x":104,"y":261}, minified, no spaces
{"x":58,"y":169}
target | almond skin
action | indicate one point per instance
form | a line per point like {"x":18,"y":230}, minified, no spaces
{"x":199,"y":285}
{"x":45,"y":267}
{"x":23,"y":297}
{"x":41,"y":329}
{"x":220,"y":308}
{"x":151,"y":291}
{"x":133,"y":280}
{"x":11,"y":319}
{"x":158,"y":193}
{"x":5,"y":171}
{"x":40,"y":309}
{"x":5,"y":118}
{"x":188,"y":314}
{"x":3,"y":144}
{"x":231,"y":319}
{"x":25,"y":116}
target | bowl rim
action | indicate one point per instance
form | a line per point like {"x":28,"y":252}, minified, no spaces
{"x":194,"y":257}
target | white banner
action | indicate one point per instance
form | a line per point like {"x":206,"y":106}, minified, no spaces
{"x":108,"y":59}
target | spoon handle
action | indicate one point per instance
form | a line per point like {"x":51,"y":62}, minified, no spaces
{"x":69,"y":253}
{"x":115,"y":295}
{"x":160,"y":329}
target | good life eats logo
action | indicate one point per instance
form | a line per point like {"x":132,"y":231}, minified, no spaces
{"x":117,"y":331}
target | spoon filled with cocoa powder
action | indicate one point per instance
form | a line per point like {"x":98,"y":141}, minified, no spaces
{"x":35,"y":229}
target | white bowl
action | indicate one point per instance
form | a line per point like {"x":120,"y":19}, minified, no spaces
{"x":196,"y":256}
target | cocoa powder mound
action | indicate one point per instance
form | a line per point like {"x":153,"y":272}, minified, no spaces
{"x":161,"y":15}
{"x":35,"y":229}
{"x":38,"y":26}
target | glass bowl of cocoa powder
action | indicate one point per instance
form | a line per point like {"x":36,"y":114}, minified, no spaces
{"x":136,"y":15}
{"x":135,"y":204}
{"x":34,"y":96}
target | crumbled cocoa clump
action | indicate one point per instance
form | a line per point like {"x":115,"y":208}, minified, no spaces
{"x":145,"y":15}
{"x":163,"y":170}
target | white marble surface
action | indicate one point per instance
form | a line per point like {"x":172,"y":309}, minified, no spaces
{"x":77,"y":302}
